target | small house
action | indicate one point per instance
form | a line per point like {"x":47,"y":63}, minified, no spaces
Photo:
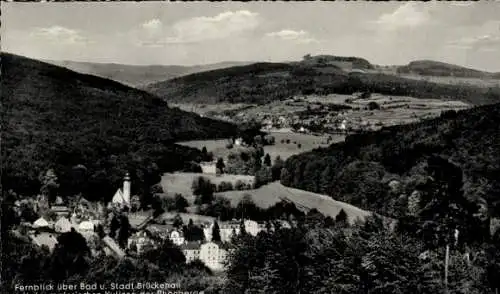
{"x":41,"y":223}
{"x":63,"y":225}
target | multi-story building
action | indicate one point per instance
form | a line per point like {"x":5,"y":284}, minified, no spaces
{"x":191,"y":251}
{"x":213,"y":254}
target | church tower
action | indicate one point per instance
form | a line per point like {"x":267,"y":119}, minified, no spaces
{"x":126,"y":189}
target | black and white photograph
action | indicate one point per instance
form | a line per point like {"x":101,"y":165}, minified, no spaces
{"x":156,"y":147}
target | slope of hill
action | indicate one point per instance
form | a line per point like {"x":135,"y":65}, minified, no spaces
{"x":57,"y":118}
{"x":265,"y":82}
{"x":359,"y":170}
{"x":268,"y":195}
{"x":346,"y":63}
{"x":435,"y":68}
{"x":138,"y":75}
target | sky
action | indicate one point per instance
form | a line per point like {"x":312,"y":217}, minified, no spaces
{"x":190,"y":33}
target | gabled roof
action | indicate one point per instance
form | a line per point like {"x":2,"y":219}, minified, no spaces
{"x":118,"y":198}
{"x":40,"y":223}
{"x":64,"y":224}
{"x":191,"y":246}
{"x":140,"y":219}
{"x":86,"y":225}
{"x":46,"y":239}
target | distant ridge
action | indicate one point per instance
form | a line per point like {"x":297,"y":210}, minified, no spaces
{"x":137,"y":75}
{"x":436,"y":68}
{"x":264,"y":82}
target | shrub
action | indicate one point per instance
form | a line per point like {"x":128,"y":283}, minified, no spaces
{"x":225,"y":186}
{"x":239,"y":185}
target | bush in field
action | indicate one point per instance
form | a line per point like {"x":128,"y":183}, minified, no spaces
{"x":225,"y":186}
{"x":269,"y":140}
{"x":240,"y":185}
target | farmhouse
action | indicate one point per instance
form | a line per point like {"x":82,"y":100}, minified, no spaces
{"x":208,"y":167}
{"x":63,"y":225}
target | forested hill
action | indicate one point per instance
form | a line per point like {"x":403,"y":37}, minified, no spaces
{"x":56,"y":118}
{"x":265,"y":82}
{"x":435,"y":68}
{"x":360,"y":170}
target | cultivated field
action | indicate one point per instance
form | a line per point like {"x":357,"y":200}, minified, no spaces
{"x":486,"y":82}
{"x":284,"y":150}
{"x":270,"y":194}
{"x":181,"y":183}
{"x":308,"y":142}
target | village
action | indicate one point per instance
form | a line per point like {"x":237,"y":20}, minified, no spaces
{"x":98,"y":224}
{"x":331,"y":114}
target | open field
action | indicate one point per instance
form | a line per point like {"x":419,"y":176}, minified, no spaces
{"x":203,"y":109}
{"x":308,"y":142}
{"x":180,"y":183}
{"x":270,"y":194}
{"x":284,"y":150}
{"x":482,"y":82}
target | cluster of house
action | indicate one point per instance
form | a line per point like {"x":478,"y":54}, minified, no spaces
{"x":212,"y":253}
{"x":146,"y":231}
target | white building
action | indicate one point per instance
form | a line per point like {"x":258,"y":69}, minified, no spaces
{"x":208,"y":167}
{"x":44,"y":239}
{"x":122,"y":196}
{"x":231,"y":228}
{"x":63,"y":225}
{"x":177,"y":237}
{"x":213,"y":255}
{"x":41,"y":223}
{"x":191,"y":251}
{"x":238,"y":142}
{"x":252,"y":227}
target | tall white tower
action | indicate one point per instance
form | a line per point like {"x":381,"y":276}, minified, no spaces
{"x":126,"y":189}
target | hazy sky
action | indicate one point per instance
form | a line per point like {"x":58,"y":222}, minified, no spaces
{"x":198,"y":33}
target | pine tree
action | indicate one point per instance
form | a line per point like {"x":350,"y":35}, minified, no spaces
{"x":267,"y":160}
{"x":216,"y":232}
{"x":341,"y":217}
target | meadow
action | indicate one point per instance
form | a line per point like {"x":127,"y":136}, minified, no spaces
{"x":481,"y":82}
{"x":281,"y":148}
{"x":180,"y":183}
{"x":272,"y":193}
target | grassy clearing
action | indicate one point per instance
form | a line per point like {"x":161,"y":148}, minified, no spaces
{"x":284,"y":150}
{"x":180,"y":183}
{"x":485,"y":82}
{"x":270,"y":194}
{"x":308,"y":142}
